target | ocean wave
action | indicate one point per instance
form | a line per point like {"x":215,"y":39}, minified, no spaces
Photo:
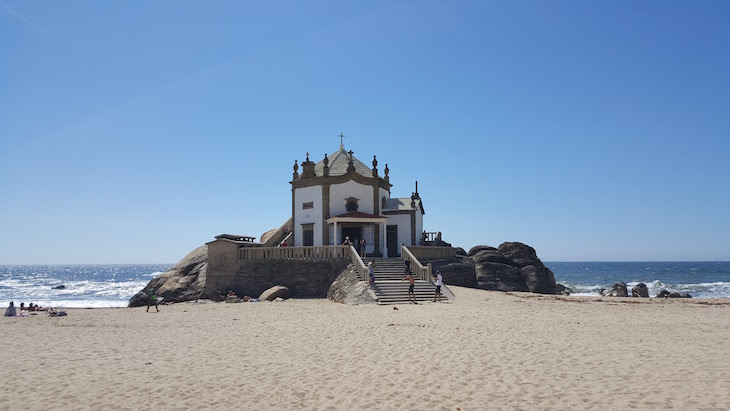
{"x":698,"y":290}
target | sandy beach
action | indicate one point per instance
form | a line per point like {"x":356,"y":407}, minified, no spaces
{"x":486,"y":350}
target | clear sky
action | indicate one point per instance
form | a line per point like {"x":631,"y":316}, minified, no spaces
{"x":133,"y":132}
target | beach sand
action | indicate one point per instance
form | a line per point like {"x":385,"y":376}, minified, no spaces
{"x":484,"y":351}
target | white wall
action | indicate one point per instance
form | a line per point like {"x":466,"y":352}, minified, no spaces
{"x":403,"y":221}
{"x":339,"y":192}
{"x":419,"y":226}
{"x":383,"y":193}
{"x":312,"y":215}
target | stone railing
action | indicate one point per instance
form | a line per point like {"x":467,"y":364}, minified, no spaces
{"x":419,"y":271}
{"x":329,"y":252}
{"x":359,"y":265}
{"x":273,"y":240}
{"x":432,"y":253}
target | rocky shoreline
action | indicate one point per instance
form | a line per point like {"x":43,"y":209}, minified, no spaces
{"x":512,"y":266}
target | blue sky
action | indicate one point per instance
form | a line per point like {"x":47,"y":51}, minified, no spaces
{"x":133,"y":132}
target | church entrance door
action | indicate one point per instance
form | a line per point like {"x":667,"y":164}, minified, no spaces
{"x":355,"y":234}
{"x":391,"y":238}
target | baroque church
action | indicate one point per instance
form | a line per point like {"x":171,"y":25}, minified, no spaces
{"x":341,"y":197}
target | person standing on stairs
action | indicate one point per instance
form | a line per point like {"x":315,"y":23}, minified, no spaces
{"x":439,"y":281}
{"x":371,"y":272}
{"x":411,"y":284}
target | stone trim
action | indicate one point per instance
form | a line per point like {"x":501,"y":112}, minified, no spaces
{"x":293,"y":219}
{"x":318,"y":180}
{"x":325,"y":213}
{"x":413,"y":229}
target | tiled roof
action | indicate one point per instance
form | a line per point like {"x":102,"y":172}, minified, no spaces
{"x":338,"y":163}
{"x":358,"y":214}
{"x":400,"y":204}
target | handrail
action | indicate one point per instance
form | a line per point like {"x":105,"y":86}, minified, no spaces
{"x":357,"y":262}
{"x":425,"y":273}
{"x":432,"y":253}
{"x":329,"y":252}
{"x":276,"y":235}
{"x":422,"y":273}
{"x":286,"y":239}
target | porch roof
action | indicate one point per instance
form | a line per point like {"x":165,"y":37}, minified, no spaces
{"x":356,"y":217}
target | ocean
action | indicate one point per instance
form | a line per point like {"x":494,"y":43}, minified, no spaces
{"x":699,"y":279}
{"x":86,"y":286}
{"x":98,"y":286}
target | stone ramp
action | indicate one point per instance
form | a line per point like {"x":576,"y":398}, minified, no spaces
{"x":390,"y":288}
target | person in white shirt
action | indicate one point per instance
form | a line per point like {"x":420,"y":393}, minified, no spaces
{"x":439,"y":280}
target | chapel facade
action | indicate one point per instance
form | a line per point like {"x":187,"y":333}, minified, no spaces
{"x":340,"y":197}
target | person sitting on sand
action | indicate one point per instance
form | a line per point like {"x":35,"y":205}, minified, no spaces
{"x":153,"y":300}
{"x":23,"y":307}
{"x":411,"y":284}
{"x":11,"y":311}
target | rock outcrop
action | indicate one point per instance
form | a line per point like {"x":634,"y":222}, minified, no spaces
{"x":667,"y":294}
{"x":348,"y":289}
{"x":510,"y":267}
{"x":277,"y":291}
{"x":640,"y":290}
{"x":185,"y":281}
{"x":617,"y":290}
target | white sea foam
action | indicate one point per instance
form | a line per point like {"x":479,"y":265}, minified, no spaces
{"x":699,"y":290}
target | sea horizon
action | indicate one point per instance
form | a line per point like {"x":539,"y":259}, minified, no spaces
{"x":111,"y":285}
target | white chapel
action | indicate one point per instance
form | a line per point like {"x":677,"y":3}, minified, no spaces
{"x":341,"y":197}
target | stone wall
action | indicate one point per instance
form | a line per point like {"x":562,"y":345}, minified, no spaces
{"x":304,"y":278}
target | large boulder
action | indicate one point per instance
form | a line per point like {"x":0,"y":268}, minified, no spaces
{"x":640,"y":290}
{"x":563,"y":290}
{"x":185,"y":281}
{"x":617,"y":290}
{"x":456,"y":271}
{"x":499,"y":277}
{"x":348,"y":289}
{"x":538,"y":279}
{"x":512,"y":266}
{"x":277,"y":291}
{"x":479,"y":248}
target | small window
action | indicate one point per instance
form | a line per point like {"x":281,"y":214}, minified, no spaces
{"x":308,"y":205}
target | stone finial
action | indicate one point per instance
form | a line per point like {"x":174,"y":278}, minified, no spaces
{"x":326,"y":168}
{"x":375,"y":167}
{"x":295,"y":175}
{"x":387,"y":178}
{"x":351,"y":166}
{"x":307,"y":168}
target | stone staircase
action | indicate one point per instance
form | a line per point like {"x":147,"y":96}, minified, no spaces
{"x":389,"y":286}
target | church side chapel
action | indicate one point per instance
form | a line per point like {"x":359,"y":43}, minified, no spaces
{"x":341,"y":198}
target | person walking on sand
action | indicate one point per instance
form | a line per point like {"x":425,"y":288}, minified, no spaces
{"x":153,"y":300}
{"x":439,"y":281}
{"x":411,"y":284}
